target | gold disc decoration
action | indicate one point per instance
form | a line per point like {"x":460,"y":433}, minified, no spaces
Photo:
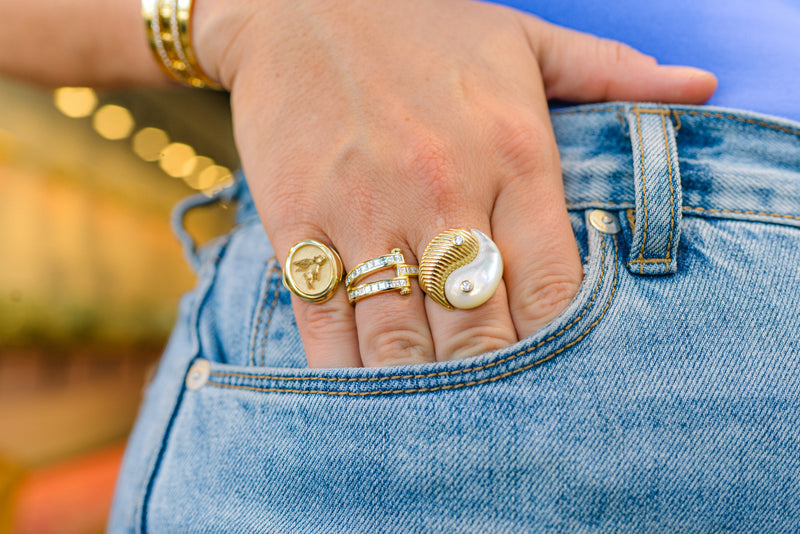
{"x":312,"y":271}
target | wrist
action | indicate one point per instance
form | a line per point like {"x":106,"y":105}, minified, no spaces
{"x":217,"y":27}
{"x":169,"y":27}
{"x":227,"y":34}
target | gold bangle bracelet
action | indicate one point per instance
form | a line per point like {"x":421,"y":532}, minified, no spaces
{"x":150,"y":15}
{"x":168,"y":27}
{"x":170,"y":44}
{"x":182,"y":29}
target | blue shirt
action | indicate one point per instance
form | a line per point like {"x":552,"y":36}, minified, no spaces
{"x":752,"y":47}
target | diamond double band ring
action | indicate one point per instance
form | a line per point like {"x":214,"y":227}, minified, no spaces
{"x":312,"y":271}
{"x":460,"y":268}
{"x":401,"y":282}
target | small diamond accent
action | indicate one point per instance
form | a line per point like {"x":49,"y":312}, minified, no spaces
{"x":466,"y":286}
{"x":380,"y":286}
{"x":374,"y":264}
{"x":408,"y":270}
{"x":458,"y":240}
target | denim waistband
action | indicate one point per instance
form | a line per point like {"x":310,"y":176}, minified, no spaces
{"x":731,"y":163}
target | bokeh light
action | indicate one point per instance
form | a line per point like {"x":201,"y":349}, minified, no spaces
{"x":220,"y":177}
{"x":177,"y":160}
{"x":198,"y":178}
{"x":113,"y":122}
{"x":149,"y":142}
{"x":75,"y":102}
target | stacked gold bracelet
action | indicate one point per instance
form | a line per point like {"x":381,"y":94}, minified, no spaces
{"x":169,"y":32}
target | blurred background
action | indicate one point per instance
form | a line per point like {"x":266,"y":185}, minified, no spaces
{"x":90,"y":277}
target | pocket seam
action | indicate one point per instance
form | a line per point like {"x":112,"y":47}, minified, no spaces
{"x":489,"y":365}
{"x":266,"y":280}
{"x":270,"y":315}
{"x":270,"y":297}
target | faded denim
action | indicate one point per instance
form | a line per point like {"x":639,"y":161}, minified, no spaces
{"x":665,"y":398}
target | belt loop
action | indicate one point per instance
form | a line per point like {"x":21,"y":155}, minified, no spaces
{"x":657,"y":184}
{"x":177,"y":219}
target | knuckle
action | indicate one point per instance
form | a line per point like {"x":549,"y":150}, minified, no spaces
{"x":502,"y":37}
{"x":353,"y":180}
{"x":607,"y":52}
{"x":397,"y":347}
{"x":289,"y":208}
{"x":520,"y":145}
{"x":548,"y":297}
{"x":616,"y":54}
{"x":430,"y":164}
{"x":322,"y":322}
{"x":283,"y":194}
{"x":364,"y":203}
{"x":475,"y":341}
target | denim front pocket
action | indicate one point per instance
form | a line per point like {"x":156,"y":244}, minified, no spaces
{"x":279,"y":449}
{"x":269,"y":338}
{"x":653,"y":403}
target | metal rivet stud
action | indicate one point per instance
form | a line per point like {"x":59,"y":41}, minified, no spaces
{"x":198,"y":375}
{"x":604,"y":221}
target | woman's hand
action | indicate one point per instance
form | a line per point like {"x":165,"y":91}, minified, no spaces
{"x":376,"y":124}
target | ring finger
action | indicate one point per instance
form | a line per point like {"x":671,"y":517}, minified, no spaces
{"x":458,"y":332}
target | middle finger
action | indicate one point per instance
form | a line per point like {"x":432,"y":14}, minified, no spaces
{"x":392,"y":328}
{"x":461,"y":333}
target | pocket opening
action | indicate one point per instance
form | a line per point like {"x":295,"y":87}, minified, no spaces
{"x":570,"y":328}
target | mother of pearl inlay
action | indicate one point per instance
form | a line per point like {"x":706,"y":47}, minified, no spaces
{"x":484,"y":274}
{"x":460,"y":268}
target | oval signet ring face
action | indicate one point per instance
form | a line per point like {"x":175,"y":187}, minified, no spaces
{"x":460,"y":268}
{"x":312,"y":271}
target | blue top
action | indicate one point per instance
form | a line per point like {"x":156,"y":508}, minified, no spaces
{"x":752,"y":47}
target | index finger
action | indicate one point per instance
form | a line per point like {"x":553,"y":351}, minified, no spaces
{"x":324,"y":316}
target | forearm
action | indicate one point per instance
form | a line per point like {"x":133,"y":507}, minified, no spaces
{"x":76,"y":42}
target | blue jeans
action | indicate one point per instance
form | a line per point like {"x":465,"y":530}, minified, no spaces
{"x":665,"y":398}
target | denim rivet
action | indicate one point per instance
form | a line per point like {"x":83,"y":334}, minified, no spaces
{"x":198,"y":375}
{"x":604,"y":221}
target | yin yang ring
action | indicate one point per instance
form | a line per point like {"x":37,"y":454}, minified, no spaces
{"x":460,"y":268}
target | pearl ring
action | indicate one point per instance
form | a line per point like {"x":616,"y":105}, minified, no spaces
{"x":460,"y":268}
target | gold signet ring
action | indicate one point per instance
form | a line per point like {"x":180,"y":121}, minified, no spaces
{"x":312,"y":271}
{"x":460,"y":268}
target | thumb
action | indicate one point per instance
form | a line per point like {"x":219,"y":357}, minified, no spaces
{"x":580,"y":67}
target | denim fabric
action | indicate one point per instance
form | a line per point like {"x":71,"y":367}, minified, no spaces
{"x":663,"y":399}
